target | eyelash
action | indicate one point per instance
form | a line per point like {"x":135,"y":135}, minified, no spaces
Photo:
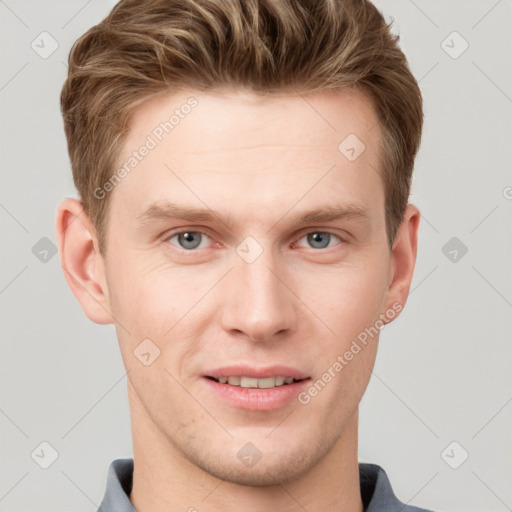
{"x":170,"y":236}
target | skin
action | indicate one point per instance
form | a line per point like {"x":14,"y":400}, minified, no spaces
{"x":262,"y":161}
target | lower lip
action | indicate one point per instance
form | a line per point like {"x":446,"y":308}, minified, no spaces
{"x":257,"y":399}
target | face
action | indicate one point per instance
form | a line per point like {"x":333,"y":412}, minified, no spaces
{"x":245,"y":245}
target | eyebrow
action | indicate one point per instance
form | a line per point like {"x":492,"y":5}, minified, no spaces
{"x":166,"y":211}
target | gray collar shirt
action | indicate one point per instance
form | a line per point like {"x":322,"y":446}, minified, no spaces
{"x":376,"y":491}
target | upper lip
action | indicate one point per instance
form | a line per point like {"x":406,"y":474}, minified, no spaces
{"x":256,"y":373}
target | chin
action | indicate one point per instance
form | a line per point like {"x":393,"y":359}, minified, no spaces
{"x":271,"y":469}
{"x":265,"y":475}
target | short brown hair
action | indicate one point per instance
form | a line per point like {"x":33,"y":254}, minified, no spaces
{"x":145,"y":47}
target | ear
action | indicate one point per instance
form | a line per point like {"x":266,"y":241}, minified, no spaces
{"x":81,"y":261}
{"x":403,"y":259}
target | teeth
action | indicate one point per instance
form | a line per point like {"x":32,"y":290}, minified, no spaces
{"x":250,"y":382}
{"x":269,"y":382}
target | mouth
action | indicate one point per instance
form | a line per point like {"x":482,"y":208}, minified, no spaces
{"x":256,"y":389}
{"x":255,"y":383}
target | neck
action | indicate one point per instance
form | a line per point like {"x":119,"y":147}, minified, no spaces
{"x":163,"y":479}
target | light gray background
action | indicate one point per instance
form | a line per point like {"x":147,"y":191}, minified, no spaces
{"x":443,"y":372}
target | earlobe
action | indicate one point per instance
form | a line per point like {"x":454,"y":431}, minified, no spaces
{"x":403,"y":257}
{"x":81,"y":262}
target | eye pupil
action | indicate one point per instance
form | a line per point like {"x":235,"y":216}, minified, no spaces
{"x":192,"y":239}
{"x":319,"y":240}
{"x":186,"y":239}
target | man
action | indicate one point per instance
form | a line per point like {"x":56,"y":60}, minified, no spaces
{"x":243,"y":169}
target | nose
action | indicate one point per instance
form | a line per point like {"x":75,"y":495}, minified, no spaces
{"x":258,"y":303}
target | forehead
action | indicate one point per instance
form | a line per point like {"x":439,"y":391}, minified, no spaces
{"x":230,"y":149}
{"x":246,"y":117}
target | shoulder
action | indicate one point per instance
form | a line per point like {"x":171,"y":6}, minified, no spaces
{"x":118,"y":488}
{"x":377,"y":493}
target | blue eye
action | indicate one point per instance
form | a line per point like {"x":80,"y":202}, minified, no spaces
{"x":189,"y":239}
{"x":320,"y":239}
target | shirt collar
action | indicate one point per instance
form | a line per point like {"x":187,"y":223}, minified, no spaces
{"x":376,"y":491}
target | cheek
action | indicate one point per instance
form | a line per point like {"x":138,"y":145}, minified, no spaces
{"x":145,"y":293}
{"x":349,"y":305}
{"x":160,"y":303}
{"x":349,"y":301}
{"x":348,"y":298}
